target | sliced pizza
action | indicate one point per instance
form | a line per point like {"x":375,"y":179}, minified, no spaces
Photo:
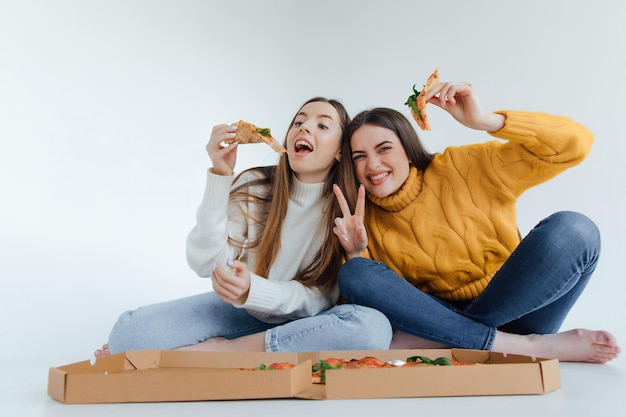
{"x":417,"y":102}
{"x":281,"y":365}
{"x":249,"y":133}
{"x":367,"y":362}
{"x":318,"y":370}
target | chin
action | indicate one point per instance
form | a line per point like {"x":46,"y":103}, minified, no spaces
{"x":378,"y":193}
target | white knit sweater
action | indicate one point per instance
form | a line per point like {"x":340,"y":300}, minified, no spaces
{"x":277,"y":298}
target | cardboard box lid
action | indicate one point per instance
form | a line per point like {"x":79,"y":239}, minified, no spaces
{"x":147,"y":376}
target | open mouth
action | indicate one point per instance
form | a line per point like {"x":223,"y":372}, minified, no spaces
{"x":303,"y":147}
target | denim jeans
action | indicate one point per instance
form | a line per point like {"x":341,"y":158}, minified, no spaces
{"x":531,"y":293}
{"x":193,"y":319}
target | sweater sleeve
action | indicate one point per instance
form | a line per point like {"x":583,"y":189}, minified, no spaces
{"x":539,"y":147}
{"x":208,"y":240}
{"x":270,"y":300}
{"x":278,"y":297}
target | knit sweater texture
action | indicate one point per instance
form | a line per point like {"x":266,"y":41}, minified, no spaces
{"x":451,"y":227}
{"x":278,"y":297}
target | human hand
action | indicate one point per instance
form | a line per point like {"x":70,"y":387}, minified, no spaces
{"x":223,"y":158}
{"x":461,"y":101}
{"x":232,"y":284}
{"x":349,"y":228}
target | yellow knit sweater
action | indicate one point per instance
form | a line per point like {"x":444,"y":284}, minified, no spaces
{"x":450,"y":228}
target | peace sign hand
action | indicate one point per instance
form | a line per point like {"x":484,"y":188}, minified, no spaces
{"x":349,"y":228}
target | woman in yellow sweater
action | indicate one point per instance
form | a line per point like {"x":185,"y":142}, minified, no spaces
{"x":437,"y":249}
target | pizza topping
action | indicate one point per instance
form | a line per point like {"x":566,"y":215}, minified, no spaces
{"x":423,"y":359}
{"x":318,"y":370}
{"x":367,"y":362}
{"x":417,"y":102}
{"x":412,"y":103}
{"x":264,"y":131}
{"x":276,"y":365}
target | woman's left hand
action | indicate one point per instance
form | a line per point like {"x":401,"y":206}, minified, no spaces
{"x":461,"y":101}
{"x":232,"y":284}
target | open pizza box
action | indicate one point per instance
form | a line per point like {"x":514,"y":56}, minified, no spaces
{"x":483,"y":373}
{"x":152,"y":376}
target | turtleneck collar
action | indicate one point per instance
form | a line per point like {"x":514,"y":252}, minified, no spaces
{"x":302,"y":192}
{"x":404,"y":196}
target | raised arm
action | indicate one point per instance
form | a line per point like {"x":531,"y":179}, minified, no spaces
{"x":540,"y":145}
{"x":207,"y":242}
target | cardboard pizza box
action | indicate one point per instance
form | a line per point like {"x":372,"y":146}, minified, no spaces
{"x":485,"y":373}
{"x":153,"y":375}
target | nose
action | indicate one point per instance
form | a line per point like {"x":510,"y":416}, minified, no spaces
{"x":373,"y":162}
{"x":304,"y":127}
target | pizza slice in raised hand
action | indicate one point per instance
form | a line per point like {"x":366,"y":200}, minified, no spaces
{"x":417,"y":102}
{"x":249,"y":133}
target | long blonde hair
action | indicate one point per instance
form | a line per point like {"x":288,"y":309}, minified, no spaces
{"x":278,"y":180}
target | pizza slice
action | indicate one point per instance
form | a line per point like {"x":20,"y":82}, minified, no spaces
{"x":249,"y":133}
{"x":417,"y":102}
{"x":281,"y":365}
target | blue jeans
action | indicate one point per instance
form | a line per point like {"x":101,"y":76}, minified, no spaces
{"x":193,"y":319}
{"x":532,"y":292}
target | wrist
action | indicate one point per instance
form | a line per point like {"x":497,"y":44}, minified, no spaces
{"x":223,"y":173}
{"x":494,"y":122}
{"x":353,"y":255}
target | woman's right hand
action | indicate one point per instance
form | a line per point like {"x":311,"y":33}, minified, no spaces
{"x":223,"y":158}
{"x":349,"y":228}
{"x":461,"y":101}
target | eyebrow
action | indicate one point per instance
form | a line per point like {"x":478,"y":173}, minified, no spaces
{"x":319,"y":116}
{"x":384,"y":142}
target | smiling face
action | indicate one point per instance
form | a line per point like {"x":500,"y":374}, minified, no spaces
{"x":380,"y":161}
{"x":313,"y":141}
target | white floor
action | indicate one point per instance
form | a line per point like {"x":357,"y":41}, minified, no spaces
{"x":587,"y":390}
{"x":106,"y":108}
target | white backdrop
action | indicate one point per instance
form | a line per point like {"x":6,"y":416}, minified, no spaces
{"x":105,"y":108}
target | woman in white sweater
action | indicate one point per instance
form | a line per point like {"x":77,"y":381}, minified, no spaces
{"x":265,"y":238}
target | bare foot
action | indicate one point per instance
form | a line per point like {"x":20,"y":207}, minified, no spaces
{"x":578,"y":345}
{"x":104,"y":351}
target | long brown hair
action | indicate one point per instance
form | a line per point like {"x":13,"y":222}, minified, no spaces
{"x":396,"y":122}
{"x":278,"y":180}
